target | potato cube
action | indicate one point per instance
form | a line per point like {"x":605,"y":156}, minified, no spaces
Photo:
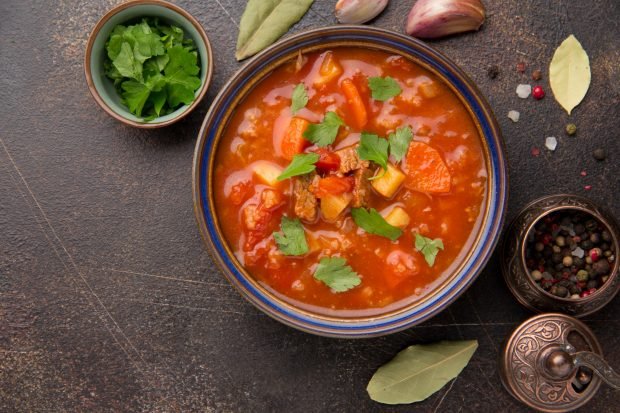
{"x":388,"y":184}
{"x":398,"y":217}
{"x":429,"y":89}
{"x":267,"y":172}
{"x":333,"y":205}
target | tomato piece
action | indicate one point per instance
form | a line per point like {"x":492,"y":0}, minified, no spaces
{"x":328,"y":161}
{"x":425,"y":170}
{"x":239,"y":192}
{"x":294,"y":142}
{"x":334,"y":185}
{"x":400,"y":266}
{"x":355,"y":102}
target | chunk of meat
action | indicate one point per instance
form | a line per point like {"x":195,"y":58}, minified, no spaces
{"x":271,"y":199}
{"x":361,"y":187}
{"x":256,"y":222}
{"x":350,"y":160}
{"x":306,"y":204}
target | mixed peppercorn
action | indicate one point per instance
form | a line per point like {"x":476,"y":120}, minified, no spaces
{"x":570,"y":254}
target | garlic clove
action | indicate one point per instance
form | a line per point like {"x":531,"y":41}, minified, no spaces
{"x":437,"y":18}
{"x":358,"y":11}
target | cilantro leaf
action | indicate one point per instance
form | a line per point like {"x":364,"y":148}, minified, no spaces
{"x":373,"y":148}
{"x":324,"y":133}
{"x":428,"y":247}
{"x":399,"y":142}
{"x":336,"y":274}
{"x":292,"y":240}
{"x":300,"y":165}
{"x":383,"y":88}
{"x":299,"y":98}
{"x":373,"y":223}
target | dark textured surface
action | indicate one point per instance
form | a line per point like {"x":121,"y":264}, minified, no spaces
{"x":108,"y":300}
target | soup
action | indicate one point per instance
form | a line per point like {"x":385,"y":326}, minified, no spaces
{"x":350,"y":179}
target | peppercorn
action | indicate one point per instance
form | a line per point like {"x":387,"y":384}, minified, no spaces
{"x":601,"y":267}
{"x":582,"y":275}
{"x":537,"y":275}
{"x":571,"y":129}
{"x":567,"y":261}
{"x":538,"y":92}
{"x":599,"y":154}
{"x":561,"y":291}
{"x":595,"y":238}
{"x":521,"y":67}
{"x":560,"y":241}
{"x":537,"y":74}
{"x":606,"y":235}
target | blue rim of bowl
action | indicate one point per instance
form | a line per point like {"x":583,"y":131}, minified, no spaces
{"x":180,"y":112}
{"x":381,"y":39}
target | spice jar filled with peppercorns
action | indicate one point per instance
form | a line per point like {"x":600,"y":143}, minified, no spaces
{"x":561,"y":254}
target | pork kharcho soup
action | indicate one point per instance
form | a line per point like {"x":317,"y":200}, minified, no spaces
{"x":350,"y":179}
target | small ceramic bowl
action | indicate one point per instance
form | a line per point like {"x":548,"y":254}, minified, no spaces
{"x":382,"y":321}
{"x":103,"y":89}
{"x":517,"y":275}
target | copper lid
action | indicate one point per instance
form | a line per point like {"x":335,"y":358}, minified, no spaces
{"x":537,"y":368}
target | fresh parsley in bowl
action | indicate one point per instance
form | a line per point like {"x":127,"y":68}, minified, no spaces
{"x":148,"y":63}
{"x":154,"y":67}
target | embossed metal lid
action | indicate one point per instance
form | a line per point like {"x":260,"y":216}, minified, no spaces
{"x":538,"y":364}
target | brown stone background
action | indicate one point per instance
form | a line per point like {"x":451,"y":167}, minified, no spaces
{"x":108,"y":300}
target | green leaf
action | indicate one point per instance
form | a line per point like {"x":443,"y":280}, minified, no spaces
{"x":324,"y":133}
{"x":265,"y":21}
{"x":181,"y":58}
{"x":399,"y":142}
{"x":126,"y":63}
{"x":569,"y":73}
{"x":419,"y":371}
{"x":158,"y":99}
{"x":373,"y":223}
{"x":147,"y":43}
{"x":383,"y":88}
{"x":428,"y":247}
{"x":336,"y":274}
{"x":299,"y":98}
{"x":135,"y":95}
{"x":373,"y":148}
{"x":300,"y":165}
{"x":181,"y":87}
{"x":292,"y":240}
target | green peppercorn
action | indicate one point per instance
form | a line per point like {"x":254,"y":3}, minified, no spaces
{"x":571,"y":129}
{"x":560,"y":241}
{"x":567,"y":261}
{"x":537,"y":275}
{"x":582,"y":275}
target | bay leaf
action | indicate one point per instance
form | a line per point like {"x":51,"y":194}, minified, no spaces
{"x":265,"y":21}
{"x":419,"y":371}
{"x":569,"y":73}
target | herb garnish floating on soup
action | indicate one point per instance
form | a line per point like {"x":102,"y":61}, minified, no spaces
{"x":383,"y":88}
{"x":154,"y":67}
{"x":336,"y":274}
{"x":319,"y":200}
{"x":429,"y":247}
{"x":300,"y":165}
{"x":372,"y":222}
{"x":324,"y":133}
{"x":292,"y":240}
{"x":299,"y":98}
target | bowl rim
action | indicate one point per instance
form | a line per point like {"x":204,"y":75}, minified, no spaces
{"x":89,"y":49}
{"x":487,"y":234}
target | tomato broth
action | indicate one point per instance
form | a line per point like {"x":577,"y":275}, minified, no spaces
{"x":436,"y":191}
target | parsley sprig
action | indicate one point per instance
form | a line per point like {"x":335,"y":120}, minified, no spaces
{"x":153,"y":66}
{"x":383,"y":88}
{"x":428,"y":247}
{"x":292,"y":239}
{"x":301,"y":164}
{"x":373,"y":148}
{"x":299,"y":99}
{"x":372,"y":222}
{"x":399,"y":142}
{"x":336,"y":274}
{"x":324,"y":133}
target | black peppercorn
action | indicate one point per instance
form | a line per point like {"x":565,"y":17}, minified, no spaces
{"x":599,"y":154}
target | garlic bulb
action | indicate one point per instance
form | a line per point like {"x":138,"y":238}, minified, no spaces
{"x":358,"y":11}
{"x":436,"y":18}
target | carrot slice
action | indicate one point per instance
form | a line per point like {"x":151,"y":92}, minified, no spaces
{"x":356,"y":104}
{"x":294,"y":141}
{"x":425,"y":170}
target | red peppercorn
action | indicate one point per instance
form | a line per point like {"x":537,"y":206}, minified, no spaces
{"x":538,"y":92}
{"x":595,"y":254}
{"x":521,"y":67}
{"x":585,"y":293}
{"x":587,"y":187}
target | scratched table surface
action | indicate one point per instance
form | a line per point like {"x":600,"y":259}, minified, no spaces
{"x":110,"y":302}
